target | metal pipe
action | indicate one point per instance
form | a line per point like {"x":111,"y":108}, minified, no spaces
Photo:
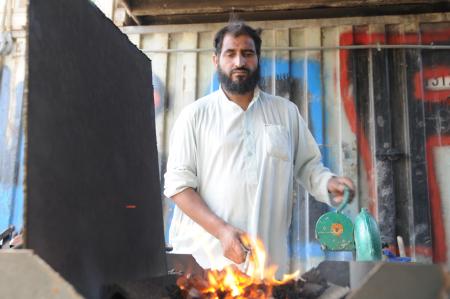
{"x":352,"y":47}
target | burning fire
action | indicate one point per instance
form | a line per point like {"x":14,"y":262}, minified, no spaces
{"x":230,"y":283}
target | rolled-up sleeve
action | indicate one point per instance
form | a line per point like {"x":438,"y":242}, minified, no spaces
{"x":181,"y":170}
{"x":308,"y":169}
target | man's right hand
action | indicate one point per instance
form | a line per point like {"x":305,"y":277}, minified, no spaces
{"x":190,"y":202}
{"x":230,"y":239}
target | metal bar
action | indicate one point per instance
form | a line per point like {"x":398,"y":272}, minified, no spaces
{"x":353,"y":47}
{"x":360,"y":79}
{"x":422,"y":236}
{"x":382,"y":129}
{"x":401,"y":141}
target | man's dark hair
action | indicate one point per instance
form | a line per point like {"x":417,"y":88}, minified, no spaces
{"x":237,"y":29}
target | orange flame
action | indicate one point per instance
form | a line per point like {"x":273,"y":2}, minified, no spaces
{"x":230,"y":283}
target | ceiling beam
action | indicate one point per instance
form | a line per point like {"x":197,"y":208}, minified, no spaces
{"x":198,"y":7}
{"x":190,"y":15}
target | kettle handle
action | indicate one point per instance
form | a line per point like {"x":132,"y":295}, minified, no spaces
{"x":346,"y":199}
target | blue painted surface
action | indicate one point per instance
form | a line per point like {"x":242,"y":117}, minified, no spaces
{"x":304,"y":251}
{"x":309,"y":71}
{"x":16,"y":218}
{"x":5,"y":175}
{"x":11,"y":155}
{"x":214,"y":85}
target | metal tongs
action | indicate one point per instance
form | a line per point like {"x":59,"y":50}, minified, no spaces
{"x":248,"y":253}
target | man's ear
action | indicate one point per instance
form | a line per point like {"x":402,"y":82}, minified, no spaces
{"x":215,"y":60}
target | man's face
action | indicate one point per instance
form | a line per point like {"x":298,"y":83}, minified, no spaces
{"x":237,"y":65}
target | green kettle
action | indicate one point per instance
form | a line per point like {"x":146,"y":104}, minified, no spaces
{"x":367,"y":237}
{"x":336,"y":232}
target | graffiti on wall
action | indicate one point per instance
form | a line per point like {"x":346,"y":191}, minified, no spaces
{"x":429,"y":89}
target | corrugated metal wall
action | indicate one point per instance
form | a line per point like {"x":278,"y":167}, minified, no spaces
{"x":375,"y":95}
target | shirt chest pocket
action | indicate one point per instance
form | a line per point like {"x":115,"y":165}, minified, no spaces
{"x":277,"y":142}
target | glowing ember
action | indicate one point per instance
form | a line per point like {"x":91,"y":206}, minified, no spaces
{"x":257,"y":282}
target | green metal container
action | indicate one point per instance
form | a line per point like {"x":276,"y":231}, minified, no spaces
{"x":334,"y":230}
{"x":367,"y":237}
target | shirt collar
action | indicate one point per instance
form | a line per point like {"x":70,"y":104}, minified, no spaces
{"x":256,"y":94}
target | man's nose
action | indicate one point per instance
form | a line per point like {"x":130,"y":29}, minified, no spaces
{"x":239,"y":61}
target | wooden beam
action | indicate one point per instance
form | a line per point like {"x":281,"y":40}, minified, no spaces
{"x":182,"y":7}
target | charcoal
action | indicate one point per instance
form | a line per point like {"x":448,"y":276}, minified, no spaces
{"x":286,"y":291}
{"x":174,"y":292}
{"x":311,"y":285}
{"x":312,"y":290}
{"x":314,"y":276}
{"x":299,"y":290}
{"x":221,"y":294}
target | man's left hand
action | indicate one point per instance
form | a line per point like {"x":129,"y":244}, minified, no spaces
{"x":336,"y":186}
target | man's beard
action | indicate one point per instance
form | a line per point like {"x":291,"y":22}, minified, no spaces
{"x":240,"y":86}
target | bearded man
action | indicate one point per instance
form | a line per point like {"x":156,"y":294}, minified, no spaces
{"x":234,"y":158}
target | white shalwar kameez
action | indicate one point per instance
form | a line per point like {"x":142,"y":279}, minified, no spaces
{"x":243,"y":164}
